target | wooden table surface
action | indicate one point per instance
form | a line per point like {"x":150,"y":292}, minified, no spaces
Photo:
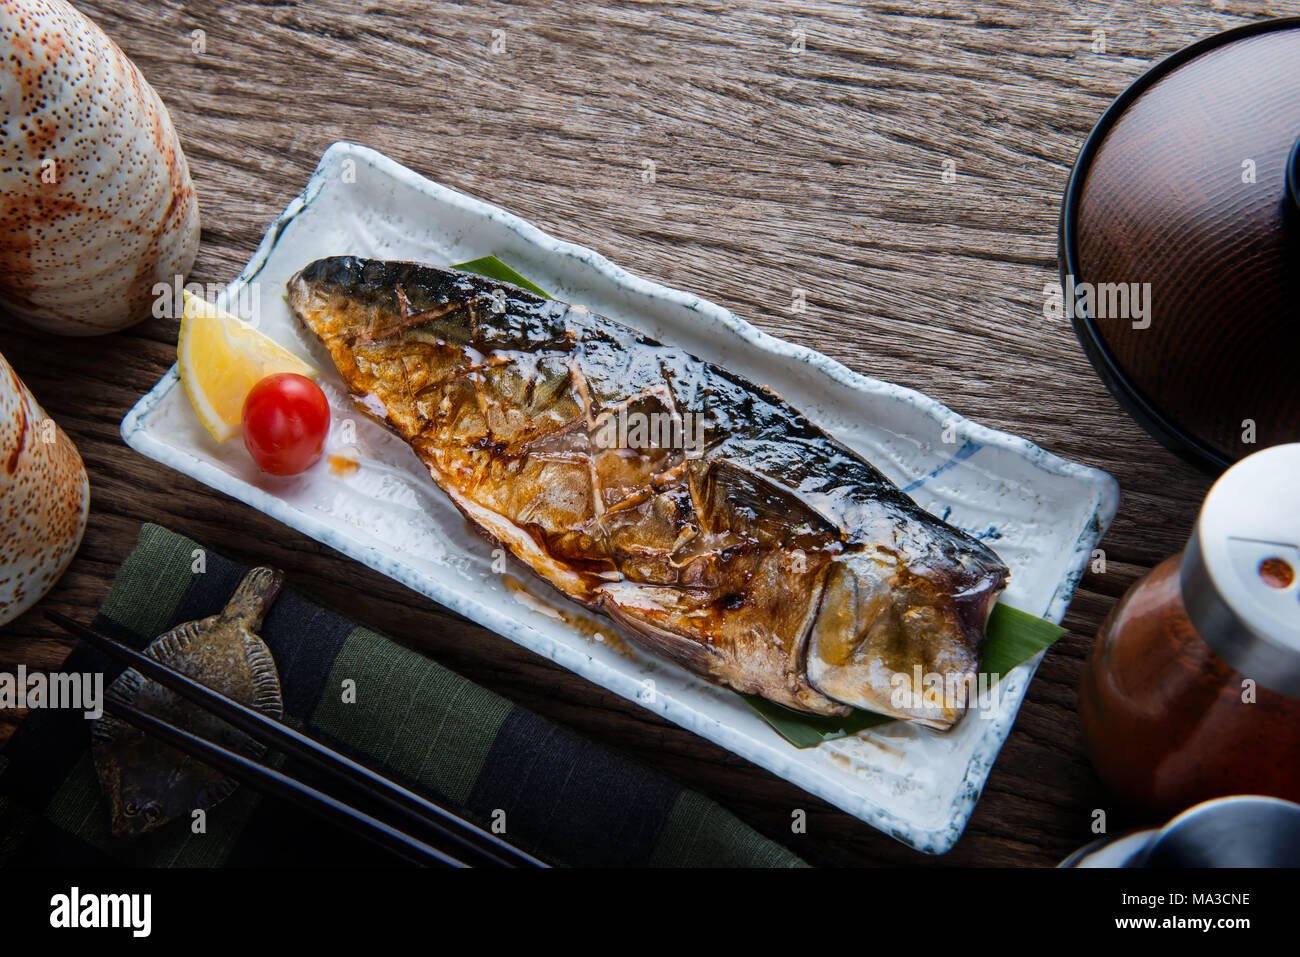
{"x":775,"y":168}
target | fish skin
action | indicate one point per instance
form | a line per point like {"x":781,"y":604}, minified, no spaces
{"x":764,"y":555}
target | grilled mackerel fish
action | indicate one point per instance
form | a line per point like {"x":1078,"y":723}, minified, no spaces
{"x":701,"y":512}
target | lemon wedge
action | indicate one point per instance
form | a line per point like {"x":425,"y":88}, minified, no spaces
{"x":221,"y":358}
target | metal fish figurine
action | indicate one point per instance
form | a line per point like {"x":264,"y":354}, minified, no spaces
{"x":148,"y":783}
{"x":701,"y":512}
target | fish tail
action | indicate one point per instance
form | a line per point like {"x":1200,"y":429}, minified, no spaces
{"x":254,"y":597}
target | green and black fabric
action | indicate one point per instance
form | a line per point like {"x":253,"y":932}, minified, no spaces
{"x":565,"y":799}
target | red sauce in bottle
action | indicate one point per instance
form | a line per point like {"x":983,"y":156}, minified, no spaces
{"x":1168,"y":722}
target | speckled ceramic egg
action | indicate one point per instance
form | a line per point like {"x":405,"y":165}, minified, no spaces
{"x":97,"y":202}
{"x":44,"y":498}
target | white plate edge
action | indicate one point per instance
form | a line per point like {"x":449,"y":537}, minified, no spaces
{"x":929,"y":840}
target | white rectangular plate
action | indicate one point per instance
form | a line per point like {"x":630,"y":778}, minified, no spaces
{"x":1041,"y":514}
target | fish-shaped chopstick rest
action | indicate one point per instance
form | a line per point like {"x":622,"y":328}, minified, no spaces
{"x":148,"y":783}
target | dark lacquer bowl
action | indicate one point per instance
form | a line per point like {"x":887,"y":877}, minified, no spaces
{"x":1180,"y":245}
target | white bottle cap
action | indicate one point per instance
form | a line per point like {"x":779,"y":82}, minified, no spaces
{"x":1241,"y":568}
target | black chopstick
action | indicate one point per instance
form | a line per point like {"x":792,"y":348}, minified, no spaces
{"x":279,"y":785}
{"x":483,"y":847}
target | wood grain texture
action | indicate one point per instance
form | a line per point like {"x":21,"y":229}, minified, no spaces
{"x":775,"y":170}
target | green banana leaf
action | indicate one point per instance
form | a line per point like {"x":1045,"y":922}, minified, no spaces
{"x":492,"y":268}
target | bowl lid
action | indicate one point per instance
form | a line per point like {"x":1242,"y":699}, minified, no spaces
{"x":1180,"y":245}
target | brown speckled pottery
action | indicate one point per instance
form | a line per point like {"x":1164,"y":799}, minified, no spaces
{"x":44,"y":498}
{"x":96,"y":202}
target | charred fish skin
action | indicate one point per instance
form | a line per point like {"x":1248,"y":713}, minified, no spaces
{"x":740,"y":541}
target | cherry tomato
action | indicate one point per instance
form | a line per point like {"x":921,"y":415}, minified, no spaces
{"x":286,"y":418}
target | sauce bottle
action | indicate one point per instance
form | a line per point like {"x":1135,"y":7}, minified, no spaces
{"x":1192,"y":690}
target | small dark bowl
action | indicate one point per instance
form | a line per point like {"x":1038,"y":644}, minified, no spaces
{"x":1245,"y":831}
